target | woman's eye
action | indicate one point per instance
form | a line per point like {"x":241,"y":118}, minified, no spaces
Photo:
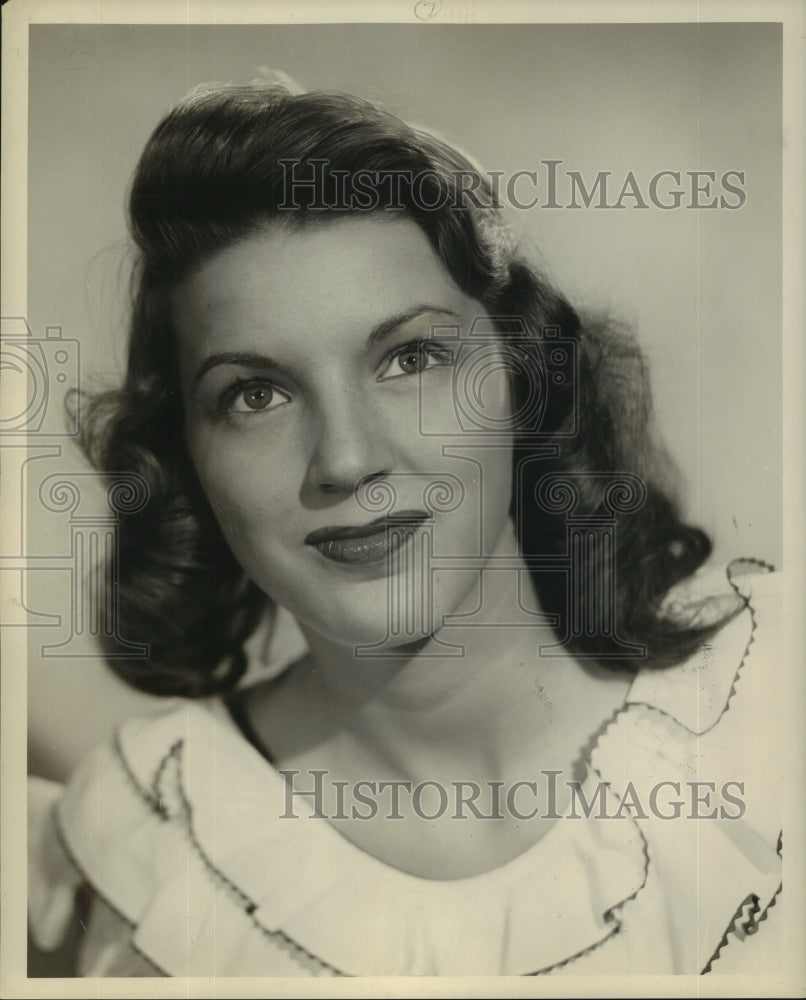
{"x":255,"y":397}
{"x":414,"y":359}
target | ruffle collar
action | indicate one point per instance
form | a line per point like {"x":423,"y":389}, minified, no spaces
{"x":696,"y":692}
{"x":302,"y":879}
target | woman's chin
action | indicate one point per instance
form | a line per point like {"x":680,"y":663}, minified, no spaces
{"x":381,"y":635}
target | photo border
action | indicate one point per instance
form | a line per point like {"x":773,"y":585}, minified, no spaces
{"x":17,"y":16}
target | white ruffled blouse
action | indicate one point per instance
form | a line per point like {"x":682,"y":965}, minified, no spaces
{"x":177,"y":829}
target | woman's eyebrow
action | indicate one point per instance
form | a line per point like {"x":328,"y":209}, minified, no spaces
{"x":386,"y":327}
{"x":246,"y":359}
{"x":252,"y":359}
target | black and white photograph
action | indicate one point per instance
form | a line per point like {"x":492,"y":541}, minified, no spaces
{"x":402,"y":551}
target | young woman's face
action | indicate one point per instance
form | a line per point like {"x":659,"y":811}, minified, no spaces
{"x":319,"y":395}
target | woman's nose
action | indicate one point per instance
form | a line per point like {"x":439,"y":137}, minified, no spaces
{"x":349,"y":447}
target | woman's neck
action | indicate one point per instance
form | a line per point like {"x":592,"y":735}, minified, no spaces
{"x":492,"y":711}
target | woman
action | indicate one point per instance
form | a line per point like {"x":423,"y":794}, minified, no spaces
{"x":410,"y":566}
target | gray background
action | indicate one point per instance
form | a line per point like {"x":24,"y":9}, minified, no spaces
{"x":701,"y":287}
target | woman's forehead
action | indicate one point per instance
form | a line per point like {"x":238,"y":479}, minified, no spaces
{"x":341,"y":277}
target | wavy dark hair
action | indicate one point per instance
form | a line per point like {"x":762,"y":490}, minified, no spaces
{"x":230,"y":160}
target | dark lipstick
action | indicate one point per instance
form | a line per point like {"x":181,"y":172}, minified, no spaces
{"x":367,"y":543}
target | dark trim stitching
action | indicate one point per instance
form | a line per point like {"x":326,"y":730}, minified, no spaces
{"x":753,"y":901}
{"x":615,"y":929}
{"x":156,"y":781}
{"x":155,"y":800}
{"x":767,"y":908}
{"x":749,"y":923}
{"x":736,"y":676}
{"x":613,"y":914}
{"x":249,"y":905}
{"x":155,"y":803}
{"x":151,"y":797}
{"x":88,"y":882}
{"x":584,"y":759}
{"x":755,"y":917}
{"x":767,"y":567}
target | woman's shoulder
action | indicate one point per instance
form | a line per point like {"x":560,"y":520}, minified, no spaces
{"x":709,"y":710}
{"x":165,"y":765}
{"x":176,"y":820}
{"x":694,"y":758}
{"x":742,"y":601}
{"x":156,"y":821}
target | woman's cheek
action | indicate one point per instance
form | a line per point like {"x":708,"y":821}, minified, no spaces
{"x":474,"y":399}
{"x":438,"y":413}
{"x":244,"y":483}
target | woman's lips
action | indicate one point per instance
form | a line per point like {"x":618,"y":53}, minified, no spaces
{"x":368,"y":543}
